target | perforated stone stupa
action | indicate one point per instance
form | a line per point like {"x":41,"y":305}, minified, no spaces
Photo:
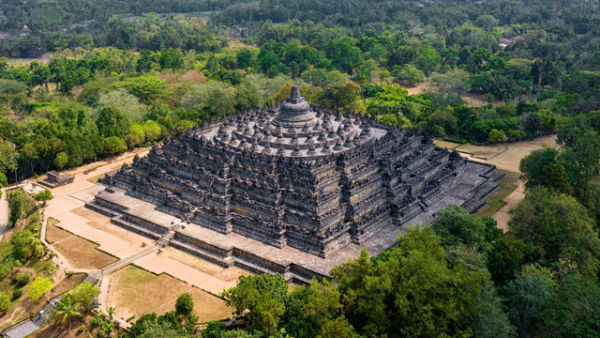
{"x":291,"y":189}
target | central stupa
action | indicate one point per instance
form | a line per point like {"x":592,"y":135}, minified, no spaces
{"x":290,"y":176}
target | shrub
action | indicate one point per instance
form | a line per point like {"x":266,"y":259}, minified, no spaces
{"x":5,"y":269}
{"x":20,"y":205}
{"x":16,"y":294}
{"x":22,"y":280}
{"x":214,"y":329}
{"x":43,"y":196}
{"x":39,"y":287}
{"x":4,"y":303}
{"x":47,"y":268}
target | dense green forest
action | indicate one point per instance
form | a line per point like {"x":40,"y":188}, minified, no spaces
{"x":125,"y":74}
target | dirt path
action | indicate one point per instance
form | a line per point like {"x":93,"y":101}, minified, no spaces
{"x":502,"y":216}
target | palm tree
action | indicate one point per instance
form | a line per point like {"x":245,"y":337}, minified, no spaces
{"x":66,"y":311}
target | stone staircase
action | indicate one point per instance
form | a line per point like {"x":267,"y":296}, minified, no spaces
{"x":164,"y":240}
{"x":92,"y":279}
{"x":48,"y":309}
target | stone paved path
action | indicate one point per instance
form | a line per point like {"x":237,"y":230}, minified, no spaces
{"x":21,"y":330}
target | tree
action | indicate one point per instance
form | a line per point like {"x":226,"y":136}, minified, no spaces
{"x":26,"y":245}
{"x":338,"y":327}
{"x":545,"y":168}
{"x":312,"y":311}
{"x":144,"y":63}
{"x":528,"y":295}
{"x":574,"y":310}
{"x":505,"y":259}
{"x":8,"y":156}
{"x":83,"y":295}
{"x":586,"y":153}
{"x":456,"y":226}
{"x":214,"y":329}
{"x":40,"y":74}
{"x":61,"y":160}
{"x":411,"y":290}
{"x":559,"y":228}
{"x":263,"y":295}
{"x":43,"y":196}
{"x":492,"y":321}
{"x":411,"y":74}
{"x":342,"y":95}
{"x":112,"y":122}
{"x":20,"y":205}
{"x":497,"y":136}
{"x":4,"y":303}
{"x":170,"y":58}
{"x":184,"y":305}
{"x":428,"y":60}
{"x":114,"y":145}
{"x":421,"y":280}
{"x":66,"y":311}
{"x":39,"y":287}
{"x":244,"y":58}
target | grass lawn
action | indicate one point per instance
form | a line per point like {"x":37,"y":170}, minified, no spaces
{"x":495,"y":201}
{"x":134,"y":291}
{"x":80,"y":252}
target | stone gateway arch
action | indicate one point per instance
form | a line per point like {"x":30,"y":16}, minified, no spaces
{"x":292,"y":188}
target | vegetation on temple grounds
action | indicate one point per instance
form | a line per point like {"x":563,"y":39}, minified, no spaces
{"x":26,"y":271}
{"x":120,"y":77}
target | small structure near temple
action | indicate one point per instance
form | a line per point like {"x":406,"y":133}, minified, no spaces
{"x":291,"y":189}
{"x":55,"y":179}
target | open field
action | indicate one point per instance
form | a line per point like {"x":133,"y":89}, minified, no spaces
{"x":81,"y":253}
{"x":134,"y":291}
{"x":505,"y":156}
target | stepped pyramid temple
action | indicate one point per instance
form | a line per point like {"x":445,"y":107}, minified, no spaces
{"x":292,"y":189}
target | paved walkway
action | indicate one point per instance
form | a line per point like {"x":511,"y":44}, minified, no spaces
{"x":21,"y":330}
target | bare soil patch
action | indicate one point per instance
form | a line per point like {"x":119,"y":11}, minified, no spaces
{"x":134,"y":292}
{"x":191,"y":76}
{"x":80,"y":252}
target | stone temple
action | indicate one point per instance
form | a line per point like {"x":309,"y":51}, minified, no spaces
{"x":292,"y":189}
